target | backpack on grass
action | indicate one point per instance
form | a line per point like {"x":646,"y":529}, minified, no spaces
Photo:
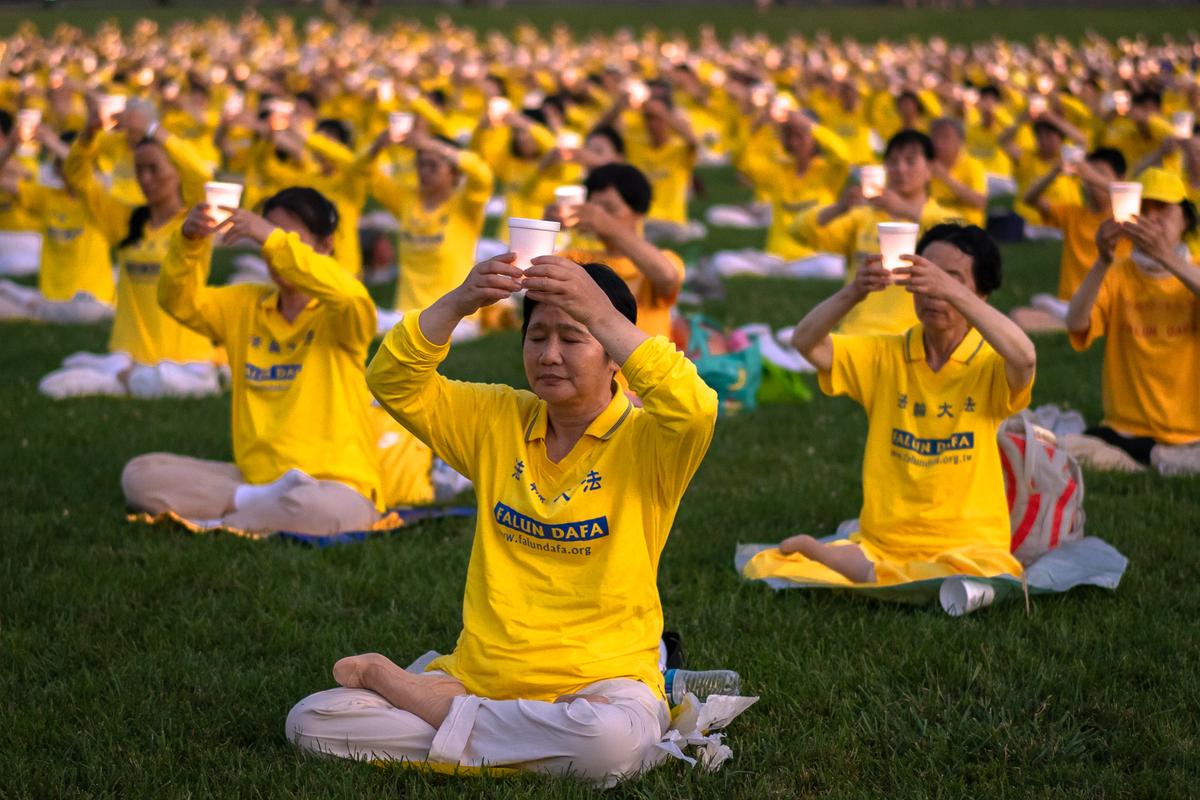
{"x":1044,"y":488}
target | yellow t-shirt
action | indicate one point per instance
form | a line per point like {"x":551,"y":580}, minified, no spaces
{"x":74,"y":251}
{"x":13,"y":215}
{"x":653,"y":310}
{"x":1079,"y":225}
{"x":931,"y":477}
{"x":854,"y":234}
{"x":299,"y":397}
{"x":669,"y":170}
{"x":968,"y":171}
{"x":140,"y":327}
{"x":437,"y":245}
{"x":1151,"y":378}
{"x":1063,"y":190}
{"x":560,"y":589}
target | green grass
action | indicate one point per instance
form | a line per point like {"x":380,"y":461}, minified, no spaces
{"x":863,"y":22}
{"x":139,"y":662}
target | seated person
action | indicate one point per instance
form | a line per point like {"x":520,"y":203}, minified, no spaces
{"x":20,"y":242}
{"x":1147,"y":305}
{"x":1030,"y":166}
{"x":150,"y":354}
{"x":557,"y":666}
{"x":806,"y":171}
{"x":75,"y":281}
{"x":618,"y":196}
{"x":933,"y":492}
{"x":849,"y":227}
{"x":1079,"y":224}
{"x":304,"y":447}
{"x":959,"y":181}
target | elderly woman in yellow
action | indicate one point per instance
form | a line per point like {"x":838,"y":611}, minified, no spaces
{"x":150,"y":354}
{"x":440,"y":222}
{"x":935,"y":396}
{"x":303,"y":444}
{"x":556,"y":666}
{"x":1147,"y":304}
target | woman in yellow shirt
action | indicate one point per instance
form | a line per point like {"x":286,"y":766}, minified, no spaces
{"x":75,"y":280}
{"x":303,"y":443}
{"x":150,"y":354}
{"x":556,"y":668}
{"x":440,"y":221}
{"x":1147,"y":304}
{"x":935,"y":396}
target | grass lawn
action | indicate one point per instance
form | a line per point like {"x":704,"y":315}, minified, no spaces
{"x":139,"y":662}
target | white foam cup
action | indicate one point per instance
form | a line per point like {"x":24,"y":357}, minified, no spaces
{"x":279,"y":114}
{"x":1126,"y":200}
{"x":569,"y":141}
{"x":897,"y":239}
{"x":109,"y":107}
{"x":400,"y":124}
{"x":28,"y":120}
{"x":218,"y":194}
{"x":960,"y":596}
{"x":1182,"y":123}
{"x":1037,"y":105}
{"x":872,"y":178}
{"x":1071,"y":156}
{"x":497,"y":109}
{"x":1121,"y":100}
{"x":530,"y":238}
{"x":568,"y":197}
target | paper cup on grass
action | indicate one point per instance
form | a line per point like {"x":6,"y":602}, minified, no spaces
{"x":217,"y":194}
{"x":1182,"y":124}
{"x":1126,"y":200}
{"x":28,"y":120}
{"x":400,"y":124}
{"x":872,"y":178}
{"x":960,"y":596}
{"x":897,"y":239}
{"x":530,"y":238}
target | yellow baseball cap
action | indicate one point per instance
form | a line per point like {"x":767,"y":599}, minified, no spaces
{"x":1159,"y":184}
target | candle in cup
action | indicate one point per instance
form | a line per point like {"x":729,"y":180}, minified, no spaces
{"x":897,"y":239}
{"x":28,"y":120}
{"x":497,"y":109}
{"x":569,"y":198}
{"x":530,"y":238}
{"x":1071,"y":155}
{"x":1183,"y":123}
{"x":400,"y":124}
{"x":279,"y":115}
{"x":1037,"y":105}
{"x":111,"y":106}
{"x":218,"y":195}
{"x":1126,"y":200}
{"x":1121,"y":101}
{"x":872,"y":178}
{"x":569,"y":141}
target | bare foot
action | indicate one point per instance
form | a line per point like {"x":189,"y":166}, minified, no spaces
{"x":427,"y":696}
{"x":796,"y":544}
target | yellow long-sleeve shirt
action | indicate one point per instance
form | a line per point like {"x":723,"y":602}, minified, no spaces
{"x":668,"y":167}
{"x":299,"y":398}
{"x":561,"y":587}
{"x":140,"y":327}
{"x":74,"y":251}
{"x":855,"y":235}
{"x":970,"y":172}
{"x":516,"y":175}
{"x":437,"y":245}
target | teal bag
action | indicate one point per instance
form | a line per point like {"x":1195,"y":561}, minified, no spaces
{"x":735,"y":377}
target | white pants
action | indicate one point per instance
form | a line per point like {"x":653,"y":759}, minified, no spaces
{"x":116,"y":375}
{"x":20,"y":252}
{"x":1000,"y":186}
{"x":751,"y":216}
{"x":26,"y":303}
{"x":755,"y":262}
{"x":598,"y":742}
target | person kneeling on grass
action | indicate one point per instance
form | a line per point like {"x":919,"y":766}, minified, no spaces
{"x":935,"y":396}
{"x":1147,"y":304}
{"x":556,"y":669}
{"x":303,"y":443}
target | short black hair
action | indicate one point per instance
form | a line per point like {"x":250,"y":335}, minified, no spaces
{"x":973,"y":241}
{"x":990,"y":90}
{"x":612,"y":134}
{"x":308,"y":205}
{"x":909,"y":138}
{"x":310,"y":98}
{"x":1043,"y":124}
{"x":6,"y":122}
{"x":627,"y":179}
{"x":609,"y":282}
{"x":1147,"y":96}
{"x":335,"y":129}
{"x":1111,"y":156}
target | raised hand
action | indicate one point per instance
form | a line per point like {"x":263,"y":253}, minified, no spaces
{"x":488,"y":282}
{"x":199,"y":222}
{"x":560,"y":282}
{"x":871,"y":276}
{"x":928,"y":279}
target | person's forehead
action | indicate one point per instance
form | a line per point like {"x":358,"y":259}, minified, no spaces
{"x":547,"y":317}
{"x":948,"y":257}
{"x":285,"y":219}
